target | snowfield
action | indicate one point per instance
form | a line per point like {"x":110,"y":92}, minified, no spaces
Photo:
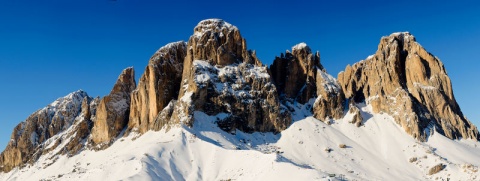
{"x":308,"y":150}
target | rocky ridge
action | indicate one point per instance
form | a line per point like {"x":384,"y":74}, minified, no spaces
{"x":32,"y":137}
{"x":405,"y":81}
{"x":214,"y":73}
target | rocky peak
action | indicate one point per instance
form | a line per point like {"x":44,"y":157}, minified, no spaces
{"x":31,"y":137}
{"x":210,"y":26}
{"x":114,"y":109}
{"x":218,"y":43}
{"x":294,"y":73}
{"x":220,"y":76}
{"x":404,"y":80}
{"x":299,"y":77}
{"x":158,"y":85}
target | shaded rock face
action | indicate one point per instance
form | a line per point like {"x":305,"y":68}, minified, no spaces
{"x":114,"y":109}
{"x":299,"y":77}
{"x":31,"y":138}
{"x":159,"y":84}
{"x":405,"y":81}
{"x":294,"y":73}
{"x":221,"y":76}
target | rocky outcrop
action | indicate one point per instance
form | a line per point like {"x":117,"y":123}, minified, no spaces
{"x":299,"y":77}
{"x":294,"y":73}
{"x":218,"y":43}
{"x":405,"y":81}
{"x":32,"y":138}
{"x":114,"y":109}
{"x":357,"y":118}
{"x":81,"y":129}
{"x":330,"y":101}
{"x":221,"y":76}
{"x":159,"y":84}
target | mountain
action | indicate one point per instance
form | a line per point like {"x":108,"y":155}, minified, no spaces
{"x":405,"y":81}
{"x":208,"y":109}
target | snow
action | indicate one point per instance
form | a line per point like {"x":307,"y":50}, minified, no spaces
{"x":300,"y":46}
{"x":379,"y":150}
{"x":423,"y":86}
{"x":229,"y":79}
{"x":210,"y":25}
{"x":120,"y":105}
{"x":34,"y":138}
{"x":369,"y":57}
{"x":329,"y":83}
{"x":205,"y":71}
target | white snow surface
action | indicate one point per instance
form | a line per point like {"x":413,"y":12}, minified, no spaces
{"x":379,"y":150}
{"x":300,"y":46}
{"x":329,"y":83}
{"x":210,"y":25}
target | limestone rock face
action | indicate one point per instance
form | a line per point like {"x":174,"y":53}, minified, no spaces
{"x":221,"y":76}
{"x":218,"y":43}
{"x":405,"y":81}
{"x":114,"y":109}
{"x":31,"y":138}
{"x":299,"y":77}
{"x":330,"y":98}
{"x":294,"y":73}
{"x":159,"y":84}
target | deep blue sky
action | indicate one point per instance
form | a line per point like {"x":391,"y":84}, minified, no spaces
{"x":51,"y":48}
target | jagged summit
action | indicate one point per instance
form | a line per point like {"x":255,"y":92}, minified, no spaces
{"x":405,"y":81}
{"x":404,"y":34}
{"x":71,"y":98}
{"x":301,"y":46}
{"x":31,"y":137}
{"x":114,"y":109}
{"x":218,"y":43}
{"x":209,"y":26}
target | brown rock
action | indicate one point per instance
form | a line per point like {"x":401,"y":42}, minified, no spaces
{"x":25,"y":145}
{"x":435,"y":169}
{"x":159,"y":84}
{"x":294,"y":73}
{"x":330,"y":98}
{"x":113,"y":110}
{"x":299,"y":77}
{"x":357,"y":116}
{"x":81,"y":129}
{"x":221,"y":76}
{"x":405,"y":81}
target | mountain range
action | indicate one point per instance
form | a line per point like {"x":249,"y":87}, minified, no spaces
{"x":208,"y":109}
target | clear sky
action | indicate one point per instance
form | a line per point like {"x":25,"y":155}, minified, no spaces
{"x":51,"y":48}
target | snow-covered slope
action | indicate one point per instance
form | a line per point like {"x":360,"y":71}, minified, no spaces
{"x":379,"y":150}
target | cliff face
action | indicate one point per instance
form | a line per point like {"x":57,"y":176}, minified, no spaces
{"x":113,"y":110}
{"x":159,"y":84}
{"x":294,"y":73}
{"x":299,"y":76}
{"x":405,"y":81}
